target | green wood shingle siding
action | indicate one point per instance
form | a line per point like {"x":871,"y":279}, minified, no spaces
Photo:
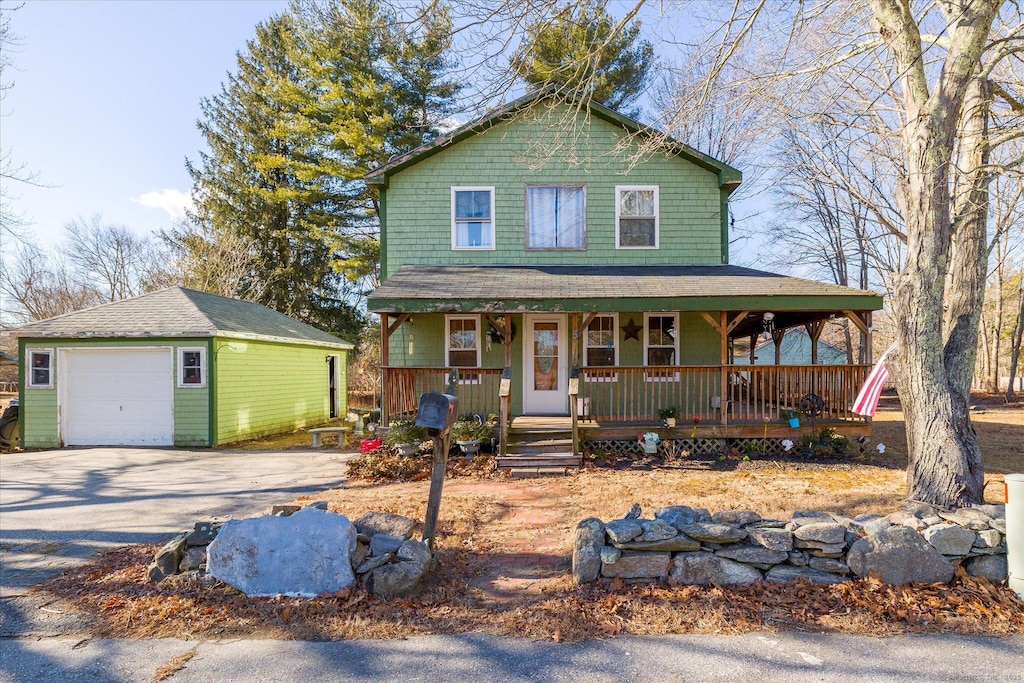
{"x":534,"y":149}
{"x":265,"y":388}
{"x":40,"y":427}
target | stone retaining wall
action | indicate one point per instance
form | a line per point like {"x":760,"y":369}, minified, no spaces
{"x":691,"y":546}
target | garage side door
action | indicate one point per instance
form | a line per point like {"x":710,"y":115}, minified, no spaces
{"x":119,"y":397}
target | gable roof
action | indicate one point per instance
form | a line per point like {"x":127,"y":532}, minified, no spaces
{"x":180,"y":312}
{"x":729,"y":178}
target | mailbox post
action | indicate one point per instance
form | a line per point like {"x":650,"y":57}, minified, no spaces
{"x":437,"y":413}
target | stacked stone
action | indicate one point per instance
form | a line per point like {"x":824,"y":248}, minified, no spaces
{"x":382,"y":554}
{"x":690,"y":546}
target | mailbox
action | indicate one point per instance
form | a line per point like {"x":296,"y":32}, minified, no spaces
{"x":436,"y":412}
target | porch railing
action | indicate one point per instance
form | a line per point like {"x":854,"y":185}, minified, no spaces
{"x":477,"y":389}
{"x":634,"y":394}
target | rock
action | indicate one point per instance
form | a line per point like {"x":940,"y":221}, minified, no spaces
{"x":991,"y":567}
{"x":950,"y":539}
{"x":740,"y":517}
{"x":676,"y":515}
{"x":714,"y":533}
{"x":623,"y":530}
{"x":802,"y":517}
{"x":382,"y":544}
{"x":817,"y":547}
{"x":899,"y":555}
{"x":634,"y":565}
{"x":634,"y":512}
{"x":284,"y":510}
{"x":867,"y":517}
{"x":827,"y":564}
{"x":610,"y":554}
{"x":303,"y":555}
{"x":414,"y":551}
{"x":194,"y":558}
{"x":707,"y":569}
{"x":166,"y":561}
{"x":656,"y":530}
{"x":989,"y":538}
{"x":202,"y":533}
{"x":754,"y":555}
{"x":203,"y":578}
{"x":999,"y":525}
{"x":784,"y":574}
{"x":822,"y":532}
{"x":586,"y":553}
{"x":797,"y":558}
{"x":676,"y":543}
{"x":372,"y":523}
{"x":772,"y":539}
{"x":967,"y":517}
{"x":919,"y":510}
{"x":993,"y":511}
{"x":360,"y":553}
{"x":702,"y":515}
{"x":933,"y":519}
{"x":394,"y":580}
{"x":318,"y":504}
{"x":873,"y":526}
{"x":372,"y":563}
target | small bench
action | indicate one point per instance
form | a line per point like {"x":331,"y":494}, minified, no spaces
{"x":340,"y":431}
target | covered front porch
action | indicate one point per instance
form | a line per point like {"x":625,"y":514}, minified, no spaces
{"x":611,"y":347}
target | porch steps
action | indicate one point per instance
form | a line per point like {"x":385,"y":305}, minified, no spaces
{"x":539,"y":446}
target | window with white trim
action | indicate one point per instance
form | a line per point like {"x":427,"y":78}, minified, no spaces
{"x":191,"y":367}
{"x":40,"y":368}
{"x":636,"y":216}
{"x":462,"y":349}
{"x":661,"y":343}
{"x":556,"y":216}
{"x":601,"y":348}
{"x":472,"y":218}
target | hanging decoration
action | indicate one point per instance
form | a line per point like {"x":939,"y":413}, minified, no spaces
{"x":494,"y":336}
{"x":631,"y":330}
{"x":769,"y":325}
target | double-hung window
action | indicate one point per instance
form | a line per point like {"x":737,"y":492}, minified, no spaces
{"x":463,"y":345}
{"x":661,"y":344}
{"x":472,"y":218}
{"x":40,"y":368}
{"x":192,"y":367}
{"x":636,"y":216}
{"x":556,"y":216}
{"x":601,"y":349}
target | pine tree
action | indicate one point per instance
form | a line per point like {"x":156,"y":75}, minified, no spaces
{"x":577,"y":51}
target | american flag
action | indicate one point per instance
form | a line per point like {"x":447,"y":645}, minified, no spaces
{"x":867,"y":400}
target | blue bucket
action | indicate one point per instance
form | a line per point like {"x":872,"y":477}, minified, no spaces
{"x":794,"y":422}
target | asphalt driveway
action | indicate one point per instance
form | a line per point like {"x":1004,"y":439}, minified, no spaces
{"x":57,"y":508}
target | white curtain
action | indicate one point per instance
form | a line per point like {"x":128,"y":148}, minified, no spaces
{"x":556,"y":217}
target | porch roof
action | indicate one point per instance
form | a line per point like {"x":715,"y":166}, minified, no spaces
{"x":524,"y":289}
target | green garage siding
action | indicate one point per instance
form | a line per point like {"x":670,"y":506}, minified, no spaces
{"x":533,"y":148}
{"x":40,"y":426}
{"x":265,"y":388}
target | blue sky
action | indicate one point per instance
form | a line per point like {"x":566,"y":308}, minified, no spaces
{"x":105,"y":101}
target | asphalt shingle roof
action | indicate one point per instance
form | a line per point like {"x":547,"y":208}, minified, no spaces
{"x":534,"y":283}
{"x":178,"y":312}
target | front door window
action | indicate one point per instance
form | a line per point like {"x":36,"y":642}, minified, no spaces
{"x":545,"y":356}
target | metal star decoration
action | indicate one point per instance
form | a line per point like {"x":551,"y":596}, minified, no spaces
{"x":632,"y":330}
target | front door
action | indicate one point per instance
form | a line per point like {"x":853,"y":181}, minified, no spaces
{"x":544,"y":360}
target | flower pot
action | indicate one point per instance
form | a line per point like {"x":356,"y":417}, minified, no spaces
{"x":670,"y":421}
{"x":408,"y":449}
{"x":470,"y":448}
{"x":794,"y":422}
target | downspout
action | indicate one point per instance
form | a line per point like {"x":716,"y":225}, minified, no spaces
{"x":211,"y":388}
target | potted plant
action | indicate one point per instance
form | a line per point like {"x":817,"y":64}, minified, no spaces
{"x":669,"y":414}
{"x":405,"y":436}
{"x":469,"y":430}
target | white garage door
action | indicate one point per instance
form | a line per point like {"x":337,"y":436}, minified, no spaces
{"x":115,"y":397}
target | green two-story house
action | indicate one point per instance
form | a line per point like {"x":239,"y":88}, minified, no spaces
{"x":562,"y":241}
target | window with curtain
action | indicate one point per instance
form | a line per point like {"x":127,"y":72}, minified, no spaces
{"x":601,"y":347}
{"x":661,"y":340}
{"x":472,"y":218}
{"x":556,"y":217}
{"x":637,"y":217}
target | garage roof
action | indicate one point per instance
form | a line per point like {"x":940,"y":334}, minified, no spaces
{"x":180,"y":312}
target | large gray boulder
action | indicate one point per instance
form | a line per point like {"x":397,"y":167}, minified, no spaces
{"x":899,"y":555}
{"x":950,"y":539}
{"x":638,"y":565}
{"x":677,"y":515}
{"x":706,"y":569}
{"x":991,"y":567}
{"x":302,"y":555}
{"x":373,"y":523}
{"x":586,"y":551}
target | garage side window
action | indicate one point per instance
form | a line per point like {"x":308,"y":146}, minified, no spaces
{"x":40,"y":368}
{"x":192,"y":367}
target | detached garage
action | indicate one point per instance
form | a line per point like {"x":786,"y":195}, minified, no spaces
{"x":175,"y":367}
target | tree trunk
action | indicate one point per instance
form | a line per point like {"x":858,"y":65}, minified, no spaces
{"x":1015,"y":342}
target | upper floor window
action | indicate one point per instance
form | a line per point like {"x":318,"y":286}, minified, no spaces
{"x":472,"y":218}
{"x":40,"y":368}
{"x":636,"y":216}
{"x":192,"y":367}
{"x":556,"y":216}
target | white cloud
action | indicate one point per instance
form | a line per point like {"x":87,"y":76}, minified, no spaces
{"x":173,"y":202}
